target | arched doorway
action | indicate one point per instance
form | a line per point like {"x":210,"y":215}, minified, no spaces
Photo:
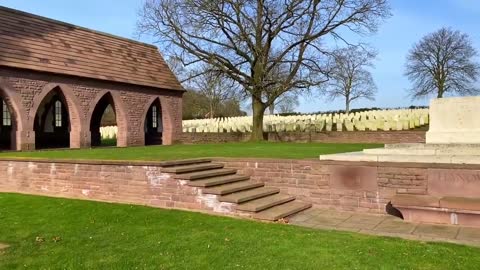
{"x":153,"y":124}
{"x":104,"y":115}
{"x":52,"y":122}
{"x":6,"y":126}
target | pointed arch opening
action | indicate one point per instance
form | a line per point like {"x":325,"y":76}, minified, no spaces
{"x":7,"y":126}
{"x":52,"y":121}
{"x":103,"y":123}
{"x":154,"y":124}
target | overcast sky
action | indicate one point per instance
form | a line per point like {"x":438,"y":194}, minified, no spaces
{"x":411,"y":20}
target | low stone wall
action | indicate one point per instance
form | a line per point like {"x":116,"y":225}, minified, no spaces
{"x":382,"y":137}
{"x":122,"y":182}
{"x":194,"y":138}
{"x":352,"y":186}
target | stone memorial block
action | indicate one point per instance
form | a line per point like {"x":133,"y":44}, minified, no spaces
{"x":454,"y":120}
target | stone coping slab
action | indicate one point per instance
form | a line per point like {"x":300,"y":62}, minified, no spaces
{"x":404,"y":158}
{"x":323,"y":161}
{"x":427,"y":150}
{"x":431,"y":145}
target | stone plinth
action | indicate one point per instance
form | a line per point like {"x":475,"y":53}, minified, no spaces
{"x":454,"y":120}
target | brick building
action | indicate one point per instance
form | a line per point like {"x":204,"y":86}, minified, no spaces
{"x":57,"y":80}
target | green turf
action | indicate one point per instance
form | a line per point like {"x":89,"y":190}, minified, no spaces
{"x":257,"y":150}
{"x":92,"y":235}
{"x":108,"y":142}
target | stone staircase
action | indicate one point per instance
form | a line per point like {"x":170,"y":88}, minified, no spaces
{"x":264,"y":203}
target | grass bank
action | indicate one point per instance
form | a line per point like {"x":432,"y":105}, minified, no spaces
{"x":254,"y":150}
{"x":48,"y":233}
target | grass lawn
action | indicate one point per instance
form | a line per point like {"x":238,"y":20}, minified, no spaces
{"x":92,"y":235}
{"x":255,"y":150}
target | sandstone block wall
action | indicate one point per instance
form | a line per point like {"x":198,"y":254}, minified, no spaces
{"x":136,"y":184}
{"x":24,"y":91}
{"x":352,"y":186}
{"x":381,"y":137}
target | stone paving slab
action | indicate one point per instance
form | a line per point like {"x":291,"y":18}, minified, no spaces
{"x":469,"y":234}
{"x":396,"y":226}
{"x":385,"y":225}
{"x":436,"y":231}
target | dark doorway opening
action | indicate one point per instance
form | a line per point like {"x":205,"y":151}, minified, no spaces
{"x":153,"y":124}
{"x":52,"y":124}
{"x":6,"y":126}
{"x":103,"y":116}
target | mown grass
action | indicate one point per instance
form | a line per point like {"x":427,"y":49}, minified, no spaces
{"x":49,"y":233}
{"x":254,"y":150}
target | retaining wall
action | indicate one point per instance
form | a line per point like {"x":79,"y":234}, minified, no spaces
{"x":354,"y":186}
{"x":324,"y":137}
{"x":121,"y":182}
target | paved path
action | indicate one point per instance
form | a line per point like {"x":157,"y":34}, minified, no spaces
{"x":386,"y":226}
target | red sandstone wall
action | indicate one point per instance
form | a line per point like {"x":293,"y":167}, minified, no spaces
{"x":354,"y":186}
{"x":381,"y":137}
{"x":346,"y":186}
{"x":24,"y":91}
{"x":194,"y":138}
{"x":137,"y":184}
{"x":351,"y":137}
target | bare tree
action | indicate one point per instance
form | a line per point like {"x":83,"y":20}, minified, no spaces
{"x":215,"y":86}
{"x":285,"y":103}
{"x":443,"y":62}
{"x":349,"y":78}
{"x":248,"y":39}
{"x":197,"y":106}
{"x":273,"y":98}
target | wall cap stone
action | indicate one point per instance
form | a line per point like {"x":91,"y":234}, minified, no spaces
{"x":261,"y":160}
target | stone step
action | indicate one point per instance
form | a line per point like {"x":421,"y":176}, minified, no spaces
{"x":433,"y":145}
{"x":192,"y":168}
{"x":233,"y":187}
{"x":248,"y":195}
{"x":399,"y":151}
{"x":265,"y":203}
{"x":220,"y":180}
{"x":282,"y":210}
{"x":170,"y":163}
{"x":205,"y":174}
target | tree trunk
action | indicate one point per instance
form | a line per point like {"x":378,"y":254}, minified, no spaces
{"x":347,"y":106}
{"x":211,"y":110}
{"x":441,"y":88}
{"x":271,"y":108}
{"x":257,"y":129}
{"x":440,"y":93}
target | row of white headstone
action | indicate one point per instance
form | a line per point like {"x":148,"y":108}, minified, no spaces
{"x":362,"y":121}
{"x":109,"y":132}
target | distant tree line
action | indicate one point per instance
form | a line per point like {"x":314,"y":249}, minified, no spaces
{"x":197,"y":106}
{"x":355,"y":110}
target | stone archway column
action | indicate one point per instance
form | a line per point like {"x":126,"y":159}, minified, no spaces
{"x":171,"y":118}
{"x":79,"y":133}
{"x":85,"y":137}
{"x":24,"y":140}
{"x":75,"y":137}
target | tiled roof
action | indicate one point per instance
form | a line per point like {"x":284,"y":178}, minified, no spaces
{"x":32,"y":42}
